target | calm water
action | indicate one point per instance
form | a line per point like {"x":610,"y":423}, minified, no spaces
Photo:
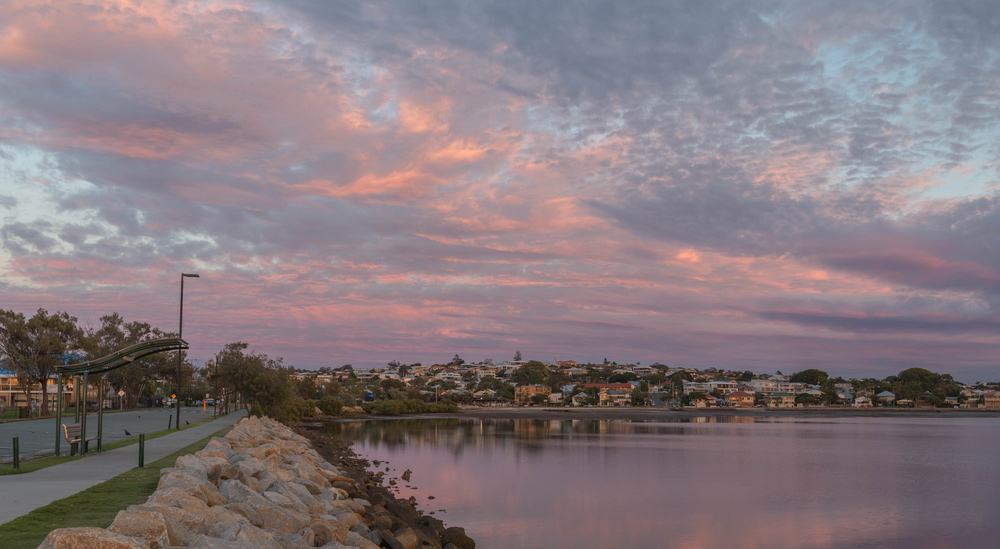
{"x":705,"y":482}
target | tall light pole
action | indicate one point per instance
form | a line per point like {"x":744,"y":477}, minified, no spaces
{"x":180,"y":334}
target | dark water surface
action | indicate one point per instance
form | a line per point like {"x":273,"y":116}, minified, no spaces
{"x":701,"y":482}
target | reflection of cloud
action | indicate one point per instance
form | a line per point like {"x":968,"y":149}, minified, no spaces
{"x":361,"y":183}
{"x":832,"y":482}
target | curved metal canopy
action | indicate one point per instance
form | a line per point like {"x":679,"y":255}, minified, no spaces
{"x":124,"y":356}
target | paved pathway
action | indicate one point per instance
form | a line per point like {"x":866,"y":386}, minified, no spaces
{"x":21,"y":494}
{"x":39,"y":435}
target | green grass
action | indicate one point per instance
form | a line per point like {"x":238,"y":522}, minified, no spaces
{"x":36,"y":464}
{"x":41,"y":463}
{"x":96,"y":506}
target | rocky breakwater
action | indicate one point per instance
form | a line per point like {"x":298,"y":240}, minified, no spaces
{"x":262,"y":486}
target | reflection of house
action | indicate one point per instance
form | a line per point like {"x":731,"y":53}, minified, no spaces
{"x":991,"y":400}
{"x":523,"y":393}
{"x":886,"y":398}
{"x":780,"y":400}
{"x":740,"y":398}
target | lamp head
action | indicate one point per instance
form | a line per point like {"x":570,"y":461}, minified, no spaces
{"x":192,"y":275}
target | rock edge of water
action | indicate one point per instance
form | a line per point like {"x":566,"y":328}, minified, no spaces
{"x":266,"y":486}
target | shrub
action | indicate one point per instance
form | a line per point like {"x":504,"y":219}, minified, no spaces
{"x":331,"y":405}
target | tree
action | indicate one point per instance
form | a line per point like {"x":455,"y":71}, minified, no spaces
{"x":811,"y":376}
{"x":517,"y":355}
{"x":457,"y":361}
{"x":806,"y":399}
{"x":531,"y":373}
{"x":306,"y":387}
{"x":33,"y":347}
{"x":136,"y":378}
{"x":624,"y":377}
{"x":403,"y":370}
{"x":266,"y":384}
{"x":639,"y":397}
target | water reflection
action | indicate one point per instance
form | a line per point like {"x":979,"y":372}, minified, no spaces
{"x":715,"y":481}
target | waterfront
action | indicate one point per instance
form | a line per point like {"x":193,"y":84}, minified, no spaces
{"x":737,"y":481}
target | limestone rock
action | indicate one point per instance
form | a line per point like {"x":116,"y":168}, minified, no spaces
{"x":329,"y":530}
{"x":456,"y":535}
{"x":146,"y":525}
{"x":194,"y":465}
{"x":237,"y":492}
{"x":283,"y":520}
{"x":249,"y":533}
{"x":90,"y":538}
{"x":195,"y":523}
{"x":206,"y":542}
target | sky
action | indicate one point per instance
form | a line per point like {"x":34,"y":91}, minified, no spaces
{"x":762,"y":185}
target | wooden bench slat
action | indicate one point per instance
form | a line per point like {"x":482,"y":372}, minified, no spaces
{"x":72,"y":433}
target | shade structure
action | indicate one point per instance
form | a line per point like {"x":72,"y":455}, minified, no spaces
{"x":124,"y":356}
{"x":117,"y":359}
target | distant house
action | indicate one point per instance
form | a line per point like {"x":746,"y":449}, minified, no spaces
{"x":779,"y":400}
{"x":863,"y":402}
{"x":579,"y":399}
{"x":615,"y":398}
{"x":740,"y":398}
{"x":991,"y":400}
{"x":523,"y":393}
{"x":886,"y":398}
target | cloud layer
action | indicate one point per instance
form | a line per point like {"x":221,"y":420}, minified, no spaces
{"x":769,"y":185}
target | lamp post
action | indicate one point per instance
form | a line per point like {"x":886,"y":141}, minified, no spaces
{"x":215,"y":410}
{"x":180,"y":334}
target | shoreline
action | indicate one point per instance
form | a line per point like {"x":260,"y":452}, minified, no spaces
{"x":395,"y":515}
{"x":665,"y":414}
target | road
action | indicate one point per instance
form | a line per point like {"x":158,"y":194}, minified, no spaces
{"x":39,"y":435}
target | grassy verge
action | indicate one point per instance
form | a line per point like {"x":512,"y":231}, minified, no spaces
{"x":96,"y":506}
{"x":41,"y":463}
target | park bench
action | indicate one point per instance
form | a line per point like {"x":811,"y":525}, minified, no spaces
{"x":72,"y":433}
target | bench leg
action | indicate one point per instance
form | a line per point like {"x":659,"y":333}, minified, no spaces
{"x":73,"y":448}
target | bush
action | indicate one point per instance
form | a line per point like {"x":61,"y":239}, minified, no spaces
{"x":408,"y":406}
{"x":331,"y":405}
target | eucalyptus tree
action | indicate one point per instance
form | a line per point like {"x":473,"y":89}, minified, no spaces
{"x":137,"y":378}
{"x":33,"y":347}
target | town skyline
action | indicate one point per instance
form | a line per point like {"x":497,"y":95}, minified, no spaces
{"x":758,"y":186}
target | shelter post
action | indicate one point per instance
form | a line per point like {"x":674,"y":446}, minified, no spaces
{"x":83,"y":416}
{"x":100,"y":411}
{"x":59,"y":411}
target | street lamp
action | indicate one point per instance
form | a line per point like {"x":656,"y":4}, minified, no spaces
{"x":180,"y":334}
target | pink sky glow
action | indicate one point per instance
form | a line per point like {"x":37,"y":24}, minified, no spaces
{"x":759,"y":186}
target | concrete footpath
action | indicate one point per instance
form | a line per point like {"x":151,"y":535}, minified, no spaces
{"x":21,"y":494}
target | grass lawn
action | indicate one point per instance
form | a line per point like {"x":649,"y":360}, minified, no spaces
{"x":41,"y":463}
{"x":96,"y":506}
